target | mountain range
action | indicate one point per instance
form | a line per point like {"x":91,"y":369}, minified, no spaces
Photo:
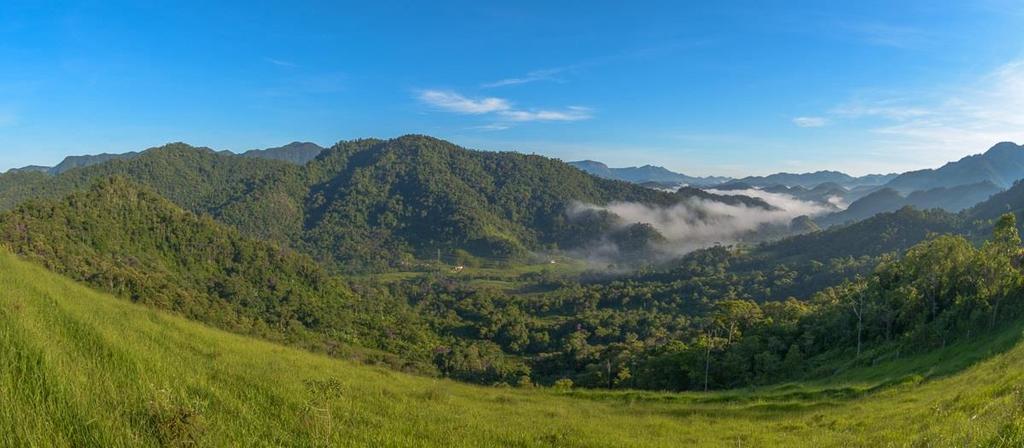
{"x":811,"y":180}
{"x":299,"y":153}
{"x":1002,"y":165}
{"x":646,"y":173}
{"x":374,"y":204}
{"x":952,"y":199}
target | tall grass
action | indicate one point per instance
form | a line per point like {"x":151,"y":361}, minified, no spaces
{"x":79,"y":368}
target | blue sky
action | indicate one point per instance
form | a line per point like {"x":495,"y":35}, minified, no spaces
{"x":700,"y":87}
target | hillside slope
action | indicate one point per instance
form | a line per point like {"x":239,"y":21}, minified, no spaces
{"x":129,"y":241}
{"x":646,"y":173}
{"x":84,"y":369}
{"x":369,"y":204}
{"x":951,"y":199}
{"x":299,"y":153}
{"x":1001,"y":165}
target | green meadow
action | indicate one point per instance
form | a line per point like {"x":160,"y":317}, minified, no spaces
{"x":82,"y":368}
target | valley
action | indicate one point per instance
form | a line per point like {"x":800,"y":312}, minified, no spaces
{"x":84,"y":368}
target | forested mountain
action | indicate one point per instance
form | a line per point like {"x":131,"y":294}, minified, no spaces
{"x":373,"y":203}
{"x":953,"y":199}
{"x":1001,"y":165}
{"x":299,"y":153}
{"x":31,"y":169}
{"x":646,"y":173}
{"x":72,"y":162}
{"x":129,"y":241}
{"x":1009,"y":200}
{"x":812,"y":180}
{"x":416,"y":195}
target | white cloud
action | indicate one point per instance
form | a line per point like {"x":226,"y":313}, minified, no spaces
{"x":536,"y":75}
{"x":453,"y":102}
{"x":695,"y":223}
{"x":949,"y":123}
{"x":280,"y":63}
{"x":787,"y":203}
{"x":810,"y":122}
{"x":571,"y":113}
{"x":500,"y":108}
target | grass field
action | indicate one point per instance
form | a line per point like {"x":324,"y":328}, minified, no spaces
{"x":79,"y":368}
{"x":506,"y":279}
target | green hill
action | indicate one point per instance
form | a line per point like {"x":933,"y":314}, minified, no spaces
{"x":129,"y":241}
{"x":368,"y":204}
{"x":84,"y":369}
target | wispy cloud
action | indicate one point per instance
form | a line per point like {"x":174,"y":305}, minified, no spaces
{"x":947,"y":123}
{"x":571,"y":113}
{"x":810,"y":122}
{"x":454,"y":102}
{"x":533,"y":76}
{"x":887,"y":35}
{"x":491,"y":127}
{"x":280,"y":63}
{"x":500,"y":109}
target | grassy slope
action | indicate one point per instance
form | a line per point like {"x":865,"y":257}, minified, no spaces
{"x":84,"y":369}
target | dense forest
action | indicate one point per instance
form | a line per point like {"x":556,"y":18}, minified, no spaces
{"x":720,"y":317}
{"x":267,"y":248}
{"x":127,"y":240}
{"x":371,"y":205}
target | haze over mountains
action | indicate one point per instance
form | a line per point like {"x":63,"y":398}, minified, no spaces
{"x":378,"y":203}
{"x":953,"y":187}
{"x":370,"y":201}
{"x":298,"y":153}
{"x":646,"y":173}
{"x":502,"y":268}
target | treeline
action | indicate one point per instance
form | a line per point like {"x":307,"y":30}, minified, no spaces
{"x":127,"y":240}
{"x":367,"y":205}
{"x":711,"y":328}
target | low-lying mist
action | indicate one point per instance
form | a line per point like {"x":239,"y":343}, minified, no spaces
{"x":696,"y":223}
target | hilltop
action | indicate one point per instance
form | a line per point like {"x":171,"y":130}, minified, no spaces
{"x":376,"y":204}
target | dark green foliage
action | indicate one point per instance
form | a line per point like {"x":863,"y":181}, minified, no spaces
{"x":727,"y":316}
{"x":217,"y":250}
{"x":72,"y":162}
{"x":136,"y":244}
{"x":418,"y":194}
{"x":366,"y":204}
{"x":299,"y":153}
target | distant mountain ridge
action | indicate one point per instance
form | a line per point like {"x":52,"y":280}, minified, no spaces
{"x":369,"y":204}
{"x":646,"y":173}
{"x":657,"y":175}
{"x":299,"y":153}
{"x":1001,"y":165}
{"x":72,"y":162}
{"x":812,"y":180}
{"x":951,"y":199}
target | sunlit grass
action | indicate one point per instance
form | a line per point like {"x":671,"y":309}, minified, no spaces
{"x":79,"y":368}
